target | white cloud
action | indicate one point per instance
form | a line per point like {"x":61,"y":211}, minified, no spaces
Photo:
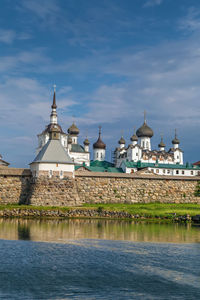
{"x":7,"y":36}
{"x":152,"y":3}
{"x":33,"y":61}
{"x":43,"y":9}
{"x":26,"y":104}
{"x":191,"y":22}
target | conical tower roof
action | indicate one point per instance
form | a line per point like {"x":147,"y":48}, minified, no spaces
{"x":54,"y":100}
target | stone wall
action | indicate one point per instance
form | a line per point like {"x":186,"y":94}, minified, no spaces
{"x":54,"y":192}
{"x":14,"y":185}
{"x":17,"y":186}
{"x":125,"y":188}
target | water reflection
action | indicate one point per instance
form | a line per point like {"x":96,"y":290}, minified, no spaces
{"x":73,"y":229}
{"x":24,"y":232}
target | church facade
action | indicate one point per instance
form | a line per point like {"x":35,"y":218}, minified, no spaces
{"x":78,"y":153}
{"x":59,"y":153}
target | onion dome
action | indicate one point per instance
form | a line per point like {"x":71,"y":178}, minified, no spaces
{"x":122,"y":141}
{"x":175,"y":140}
{"x":144,"y":130}
{"x":134,"y":137}
{"x":69,"y":140}
{"x":86,"y":142}
{"x":99,"y":143}
{"x":162,"y":144}
{"x":53,"y":126}
{"x":54,"y":100}
{"x":73,"y":129}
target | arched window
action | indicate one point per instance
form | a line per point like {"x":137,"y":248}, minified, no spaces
{"x":143,"y":145}
{"x":101,"y":155}
{"x":147,"y":144}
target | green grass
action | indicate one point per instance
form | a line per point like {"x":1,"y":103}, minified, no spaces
{"x":151,"y":209}
{"x":20,"y":206}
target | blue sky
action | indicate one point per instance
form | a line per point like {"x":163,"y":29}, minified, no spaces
{"x":110,"y":60}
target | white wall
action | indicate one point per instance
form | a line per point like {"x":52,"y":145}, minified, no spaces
{"x":145,"y":143}
{"x":37,"y":167}
{"x":99,"y":154}
{"x":80,"y":158}
{"x":165,"y":171}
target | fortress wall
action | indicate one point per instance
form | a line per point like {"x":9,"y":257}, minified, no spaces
{"x":125,"y":188}
{"x":14,"y":185}
{"x":54,"y":192}
{"x":17,"y":186}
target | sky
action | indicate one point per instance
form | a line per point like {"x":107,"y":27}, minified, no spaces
{"x":110,"y":61}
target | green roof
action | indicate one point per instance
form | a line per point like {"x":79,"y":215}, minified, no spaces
{"x":104,"y":164}
{"x":139,"y":164}
{"x":101,"y":166}
{"x":77,"y":148}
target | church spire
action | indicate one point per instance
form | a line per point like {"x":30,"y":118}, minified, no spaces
{"x":54,"y":98}
{"x":145,"y":118}
{"x":53,"y":117}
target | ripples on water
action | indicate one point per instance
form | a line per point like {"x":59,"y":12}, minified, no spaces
{"x":92,"y":259}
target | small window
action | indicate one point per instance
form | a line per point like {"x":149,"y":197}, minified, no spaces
{"x":61,"y":173}
{"x":97,"y":154}
{"x":168,"y":171}
{"x":183,"y":172}
{"x":157,"y":170}
{"x":136,"y":154}
{"x":50,"y":172}
{"x":143,"y":144}
{"x":101,"y":155}
{"x":54,"y":134}
{"x":177,"y":157}
{"x":163,"y":171}
{"x":177,"y":171}
{"x":147,"y":144}
{"x":192,"y":172}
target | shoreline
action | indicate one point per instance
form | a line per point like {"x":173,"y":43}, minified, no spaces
{"x":95,"y":212}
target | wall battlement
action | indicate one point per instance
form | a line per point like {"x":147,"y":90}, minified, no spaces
{"x":18,"y":186}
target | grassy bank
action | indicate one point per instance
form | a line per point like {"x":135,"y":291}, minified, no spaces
{"x":145,"y":210}
{"x":151,"y":210}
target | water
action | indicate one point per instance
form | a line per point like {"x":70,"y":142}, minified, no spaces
{"x":98,"y":259}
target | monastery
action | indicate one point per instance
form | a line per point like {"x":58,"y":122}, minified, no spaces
{"x":60,"y":154}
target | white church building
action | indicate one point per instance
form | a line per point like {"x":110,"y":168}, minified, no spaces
{"x":139,"y":155}
{"x":60,"y":154}
{"x":78,"y":153}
